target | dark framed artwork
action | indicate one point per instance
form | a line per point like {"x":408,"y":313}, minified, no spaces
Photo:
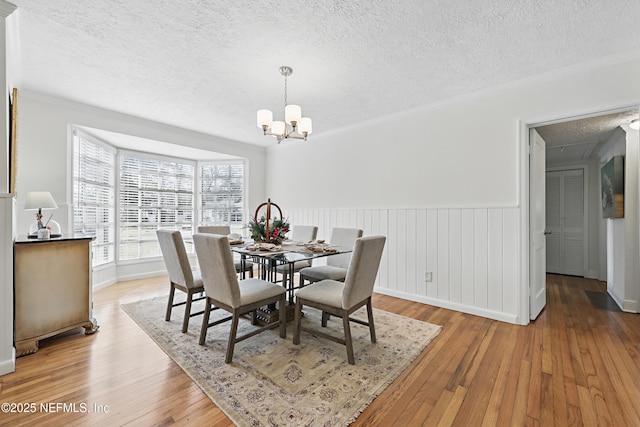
{"x":13,"y":139}
{"x":612,"y":182}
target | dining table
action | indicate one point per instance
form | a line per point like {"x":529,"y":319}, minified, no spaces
{"x":269,"y":256}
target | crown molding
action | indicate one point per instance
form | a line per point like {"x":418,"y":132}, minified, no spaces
{"x":7,"y":8}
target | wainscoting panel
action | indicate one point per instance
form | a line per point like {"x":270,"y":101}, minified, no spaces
{"x":471,"y":253}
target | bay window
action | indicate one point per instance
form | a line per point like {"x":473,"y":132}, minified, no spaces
{"x":122,"y":197}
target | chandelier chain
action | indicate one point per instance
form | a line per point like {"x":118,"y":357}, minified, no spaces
{"x":285,"y":90}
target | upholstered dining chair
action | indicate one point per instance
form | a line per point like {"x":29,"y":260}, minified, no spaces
{"x":180,"y":275}
{"x":299,"y":233}
{"x":225,"y":230}
{"x":238,"y":297}
{"x":336,"y":267}
{"x":342,"y":299}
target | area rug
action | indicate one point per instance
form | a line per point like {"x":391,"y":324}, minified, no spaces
{"x":271,"y":381}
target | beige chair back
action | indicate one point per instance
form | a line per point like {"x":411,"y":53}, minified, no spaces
{"x":343,"y":237}
{"x":217,"y":268}
{"x":304,"y":233}
{"x":363,"y":269}
{"x":223,"y":230}
{"x":175,"y":257}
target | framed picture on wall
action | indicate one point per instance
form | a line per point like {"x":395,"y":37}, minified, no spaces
{"x":13,"y":139}
{"x":612,"y":182}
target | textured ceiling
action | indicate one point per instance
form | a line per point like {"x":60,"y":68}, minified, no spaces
{"x":209,"y":65}
{"x":578,"y":139}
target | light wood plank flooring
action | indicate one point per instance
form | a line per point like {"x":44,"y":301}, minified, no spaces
{"x":577,"y":364}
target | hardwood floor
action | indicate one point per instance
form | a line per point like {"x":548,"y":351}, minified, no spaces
{"x":577,"y":364}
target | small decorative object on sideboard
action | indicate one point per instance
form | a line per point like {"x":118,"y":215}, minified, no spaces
{"x":39,"y":200}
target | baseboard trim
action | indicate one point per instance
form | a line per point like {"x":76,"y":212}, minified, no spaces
{"x":141,"y":275}
{"x":490,"y":314}
{"x":104,"y":284}
{"x":630,"y":306}
{"x":591,"y":274}
{"x":8,"y":366}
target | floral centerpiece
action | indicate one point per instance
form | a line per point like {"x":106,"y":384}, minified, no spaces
{"x":272,"y":231}
{"x":265,"y":229}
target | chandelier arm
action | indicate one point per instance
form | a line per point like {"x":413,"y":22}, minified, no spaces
{"x":286,"y":135}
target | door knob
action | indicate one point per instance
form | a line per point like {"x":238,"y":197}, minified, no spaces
{"x":547,"y":232}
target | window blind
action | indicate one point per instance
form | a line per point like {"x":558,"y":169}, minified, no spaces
{"x":94,"y":195}
{"x":222,"y":194}
{"x":155,"y":193}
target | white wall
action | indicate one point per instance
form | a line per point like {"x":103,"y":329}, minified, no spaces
{"x":621,"y":244}
{"x":612,"y":253}
{"x":632,"y":229}
{"x":7,"y":349}
{"x":7,"y":200}
{"x":461,"y":154}
{"x":471,"y":253}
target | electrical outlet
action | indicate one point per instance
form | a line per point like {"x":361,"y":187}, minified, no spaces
{"x":428,"y":276}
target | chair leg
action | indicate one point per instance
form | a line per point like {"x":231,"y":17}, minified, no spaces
{"x":325,"y":319}
{"x":232,"y":337}
{"x":347,"y":338}
{"x":172,"y":291}
{"x":187,"y":311}
{"x":372,"y":328}
{"x":283,"y":316}
{"x":205,"y":322}
{"x":296,"y":322}
{"x":251,"y":272}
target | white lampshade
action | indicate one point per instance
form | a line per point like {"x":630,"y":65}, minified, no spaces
{"x":292,"y":113}
{"x":278,"y":127}
{"x":265,"y":118}
{"x":39,"y":200}
{"x":304,"y":125}
{"x":635,"y":124}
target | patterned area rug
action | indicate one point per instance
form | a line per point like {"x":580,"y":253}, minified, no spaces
{"x":272,"y":382}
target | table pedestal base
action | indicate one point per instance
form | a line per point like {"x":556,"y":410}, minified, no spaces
{"x":269,"y":314}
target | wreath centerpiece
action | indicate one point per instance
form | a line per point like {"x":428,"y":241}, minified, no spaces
{"x":265,"y":229}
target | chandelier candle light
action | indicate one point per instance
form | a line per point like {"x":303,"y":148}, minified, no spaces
{"x":294,"y":122}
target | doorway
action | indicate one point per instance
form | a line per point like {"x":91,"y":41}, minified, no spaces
{"x":596,"y":130}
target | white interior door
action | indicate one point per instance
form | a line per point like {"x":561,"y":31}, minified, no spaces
{"x":565,"y":219}
{"x":537,"y":235}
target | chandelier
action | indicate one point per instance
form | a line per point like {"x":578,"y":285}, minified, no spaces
{"x":294,"y":126}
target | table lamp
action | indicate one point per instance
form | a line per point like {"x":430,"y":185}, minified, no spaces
{"x":39,"y":200}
